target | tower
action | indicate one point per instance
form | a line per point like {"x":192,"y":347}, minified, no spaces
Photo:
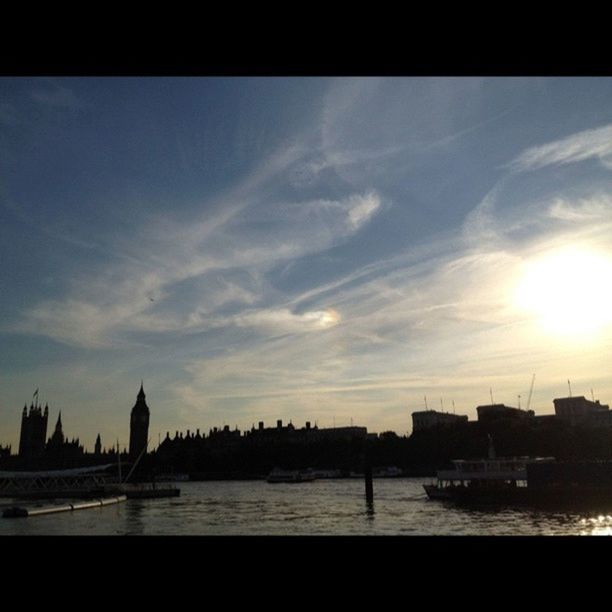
{"x":33,"y":430}
{"x":56,"y":441}
{"x":98,"y":446}
{"x":139,"y":425}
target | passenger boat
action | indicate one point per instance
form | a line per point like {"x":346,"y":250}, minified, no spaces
{"x":292,"y":476}
{"x":534,"y":481}
{"x":492,"y":480}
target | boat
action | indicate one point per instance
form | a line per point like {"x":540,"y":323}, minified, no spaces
{"x":391,"y":471}
{"x":292,"y":476}
{"x":328,"y":474}
{"x":148,"y":490}
{"x":490,"y":480}
{"x":179,"y":477}
{"x":532,"y":481}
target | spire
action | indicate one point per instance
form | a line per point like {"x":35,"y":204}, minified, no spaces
{"x":141,"y":393}
{"x":58,"y":425}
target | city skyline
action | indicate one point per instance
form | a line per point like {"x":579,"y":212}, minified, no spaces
{"x":319,"y":249}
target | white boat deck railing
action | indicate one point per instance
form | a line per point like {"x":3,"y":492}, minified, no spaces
{"x":482,"y":475}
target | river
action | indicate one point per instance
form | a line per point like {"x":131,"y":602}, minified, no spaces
{"x":323,"y":507}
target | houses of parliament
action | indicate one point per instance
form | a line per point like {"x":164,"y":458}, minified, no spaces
{"x":56,"y":452}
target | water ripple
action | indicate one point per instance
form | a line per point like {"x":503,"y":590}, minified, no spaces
{"x":325,"y":507}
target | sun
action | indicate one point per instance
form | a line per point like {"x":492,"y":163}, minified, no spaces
{"x":568,"y":290}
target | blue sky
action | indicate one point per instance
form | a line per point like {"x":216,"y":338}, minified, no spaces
{"x":320,"y":249}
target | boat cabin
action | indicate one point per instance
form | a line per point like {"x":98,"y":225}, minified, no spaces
{"x":503,"y":470}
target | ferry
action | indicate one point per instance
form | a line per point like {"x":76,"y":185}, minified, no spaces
{"x":293,"y":476}
{"x":391,"y":471}
{"x":532,"y":481}
{"x":491,"y":480}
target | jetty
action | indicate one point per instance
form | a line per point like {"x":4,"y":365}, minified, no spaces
{"x":22,"y":512}
{"x":50,"y":484}
{"x":87,"y":483}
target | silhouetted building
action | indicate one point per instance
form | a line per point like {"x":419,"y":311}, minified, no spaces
{"x":139,"y":425}
{"x":336,"y":434}
{"x":581,"y":410}
{"x":288,"y":433}
{"x":56,"y":441}
{"x":424,"y":419}
{"x":60,"y":451}
{"x":492,"y":412}
{"x":5,"y":451}
{"x":221,"y":436}
{"x":33,"y":431}
{"x":98,"y":446}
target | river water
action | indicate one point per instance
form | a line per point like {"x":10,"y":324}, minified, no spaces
{"x":323,"y":507}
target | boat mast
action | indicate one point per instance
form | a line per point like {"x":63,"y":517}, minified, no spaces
{"x":530,"y":392}
{"x":142,"y":452}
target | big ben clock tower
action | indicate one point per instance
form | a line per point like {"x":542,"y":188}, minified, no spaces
{"x":139,"y":425}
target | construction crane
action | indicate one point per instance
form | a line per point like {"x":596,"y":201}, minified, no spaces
{"x":530,"y":392}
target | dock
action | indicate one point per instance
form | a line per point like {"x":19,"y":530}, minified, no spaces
{"x":21,"y":512}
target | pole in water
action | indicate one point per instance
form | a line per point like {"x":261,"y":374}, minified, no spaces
{"x":119,"y":459}
{"x":369,"y":489}
{"x":367,"y":474}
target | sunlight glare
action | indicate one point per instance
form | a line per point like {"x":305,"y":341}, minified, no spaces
{"x":568,"y":290}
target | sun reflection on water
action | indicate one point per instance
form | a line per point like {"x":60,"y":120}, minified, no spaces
{"x":597,"y":525}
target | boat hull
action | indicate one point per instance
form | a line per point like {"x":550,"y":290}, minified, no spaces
{"x":152,"y":493}
{"x":434,"y":492}
{"x":290,"y":476}
{"x":289,"y":480}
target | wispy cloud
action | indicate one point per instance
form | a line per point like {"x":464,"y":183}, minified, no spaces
{"x":247,"y":231}
{"x":447,"y":324}
{"x":584,"y":209}
{"x":577,"y":147}
{"x":265,"y":334}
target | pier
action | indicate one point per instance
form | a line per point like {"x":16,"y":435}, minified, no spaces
{"x":21,"y":512}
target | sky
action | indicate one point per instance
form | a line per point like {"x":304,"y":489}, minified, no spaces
{"x":337,"y":250}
